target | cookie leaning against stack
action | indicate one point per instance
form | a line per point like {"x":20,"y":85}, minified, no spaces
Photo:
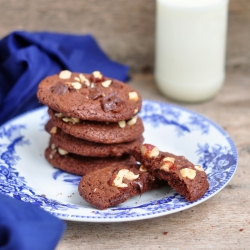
{"x":92,"y":117}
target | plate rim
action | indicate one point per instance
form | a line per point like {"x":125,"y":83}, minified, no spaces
{"x":82,"y":218}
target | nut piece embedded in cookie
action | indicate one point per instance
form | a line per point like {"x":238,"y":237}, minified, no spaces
{"x":106,"y":83}
{"x":143,"y":169}
{"x":96,"y":76}
{"x":199,"y":168}
{"x":124,"y":173}
{"x":84,"y":80}
{"x":133,"y":96}
{"x":74,"y":120}
{"x":167,"y":162}
{"x":122,"y":124}
{"x":188,"y":172}
{"x":65,"y":74}
{"x":149,"y":151}
{"x":62,"y":151}
{"x":76,"y":85}
{"x":53,"y":130}
{"x":132,"y":121}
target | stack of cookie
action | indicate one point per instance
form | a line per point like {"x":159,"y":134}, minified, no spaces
{"x":93,"y":121}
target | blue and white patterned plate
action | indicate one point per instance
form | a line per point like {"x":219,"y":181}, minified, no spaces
{"x":26,"y":176}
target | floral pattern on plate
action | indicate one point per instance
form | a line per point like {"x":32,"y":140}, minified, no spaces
{"x":25,"y":175}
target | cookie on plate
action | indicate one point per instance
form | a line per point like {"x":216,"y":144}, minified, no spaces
{"x":91,"y":97}
{"x":80,"y":165}
{"x":113,"y":185}
{"x":101,"y":132}
{"x":75,"y":145}
{"x":186,"y":178}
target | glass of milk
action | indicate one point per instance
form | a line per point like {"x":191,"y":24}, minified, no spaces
{"x":190,"y":48}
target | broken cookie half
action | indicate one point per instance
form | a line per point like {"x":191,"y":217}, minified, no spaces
{"x":186,"y":178}
{"x":112,"y":185}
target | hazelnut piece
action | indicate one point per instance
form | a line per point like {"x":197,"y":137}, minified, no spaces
{"x":149,"y":151}
{"x":188,"y":172}
{"x":132,"y":121}
{"x":65,"y":74}
{"x":106,"y":83}
{"x":62,"y":151}
{"x":133,"y":96}
{"x":76,"y":85}
{"x":71,"y":119}
{"x":96,"y":76}
{"x":167,"y":163}
{"x":199,"y":168}
{"x":143,"y":169}
{"x":59,"y":115}
{"x":122,"y":124}
{"x":53,"y":130}
{"x":124,"y":173}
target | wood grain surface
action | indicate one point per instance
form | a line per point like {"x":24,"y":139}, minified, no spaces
{"x":124,"y":29}
{"x":222,"y":222}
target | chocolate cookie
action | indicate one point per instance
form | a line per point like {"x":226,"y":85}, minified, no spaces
{"x":186,"y":178}
{"x":80,"y":165}
{"x":113,"y":185}
{"x":86,"y":148}
{"x":102,"y":132}
{"x":91,"y":97}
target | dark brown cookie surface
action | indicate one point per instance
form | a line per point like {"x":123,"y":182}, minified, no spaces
{"x":113,"y":185}
{"x":89,"y":97}
{"x":186,"y":178}
{"x":104,"y":132}
{"x":80,"y":165}
{"x":86,"y":148}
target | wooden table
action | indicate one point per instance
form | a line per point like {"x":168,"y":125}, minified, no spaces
{"x":222,"y":222}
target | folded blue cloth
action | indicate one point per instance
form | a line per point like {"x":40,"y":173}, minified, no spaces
{"x":24,"y":226}
{"x":28,"y":57}
{"x":25,"y":59}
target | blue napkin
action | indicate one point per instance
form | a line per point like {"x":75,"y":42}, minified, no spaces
{"x":28,"y":57}
{"x":24,"y":226}
{"x":25,"y":59}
